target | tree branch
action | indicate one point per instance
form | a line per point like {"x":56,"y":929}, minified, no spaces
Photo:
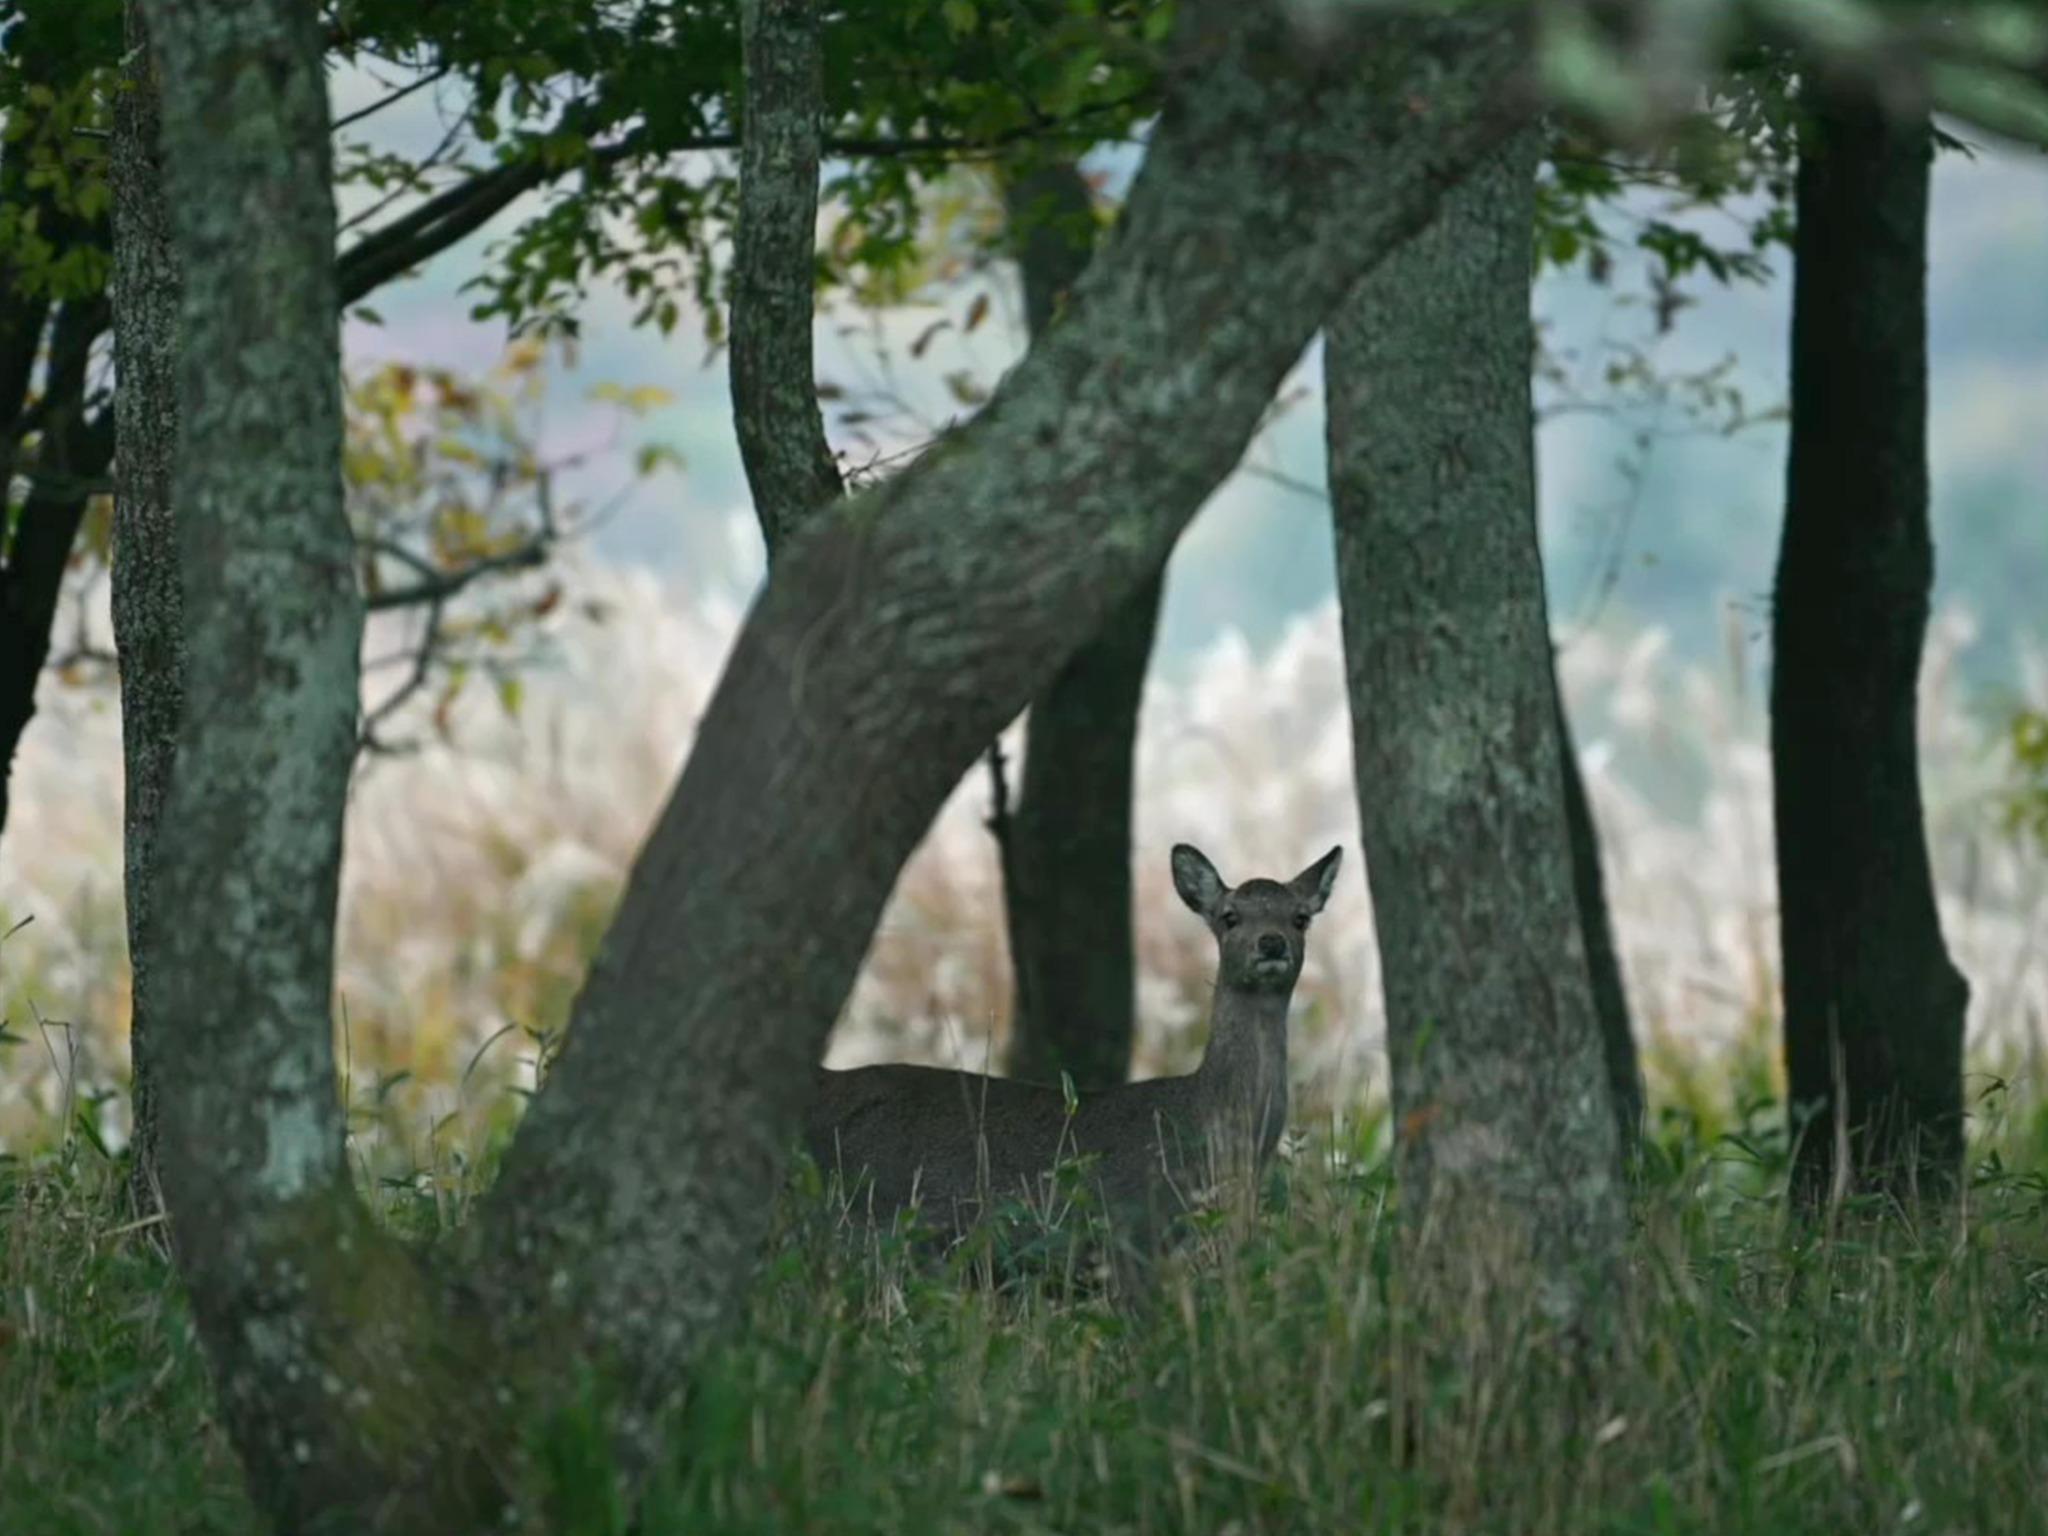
{"x":438,"y":586}
{"x":790,"y":468}
{"x":460,"y":210}
{"x":392,"y":99}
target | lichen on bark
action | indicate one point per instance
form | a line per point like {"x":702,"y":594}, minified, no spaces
{"x":1507,"y":1137}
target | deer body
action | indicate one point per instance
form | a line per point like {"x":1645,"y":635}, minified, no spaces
{"x":957,"y":1143}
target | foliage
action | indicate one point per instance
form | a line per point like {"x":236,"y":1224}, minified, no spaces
{"x":451,"y":499}
{"x":2028,"y":743}
{"x":56,"y":66}
{"x":448,"y":493}
{"x":1869,"y":1376}
{"x":909,"y":89}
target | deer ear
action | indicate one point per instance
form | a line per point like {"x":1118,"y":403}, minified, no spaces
{"x":1315,"y":883}
{"x":1196,"y":879}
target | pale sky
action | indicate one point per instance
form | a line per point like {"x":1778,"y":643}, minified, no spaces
{"x":1697,"y":535}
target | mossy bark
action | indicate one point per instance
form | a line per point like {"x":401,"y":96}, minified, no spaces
{"x":331,"y":1355}
{"x":1873,"y":1005}
{"x":1066,"y":844}
{"x":790,"y":468}
{"x":1507,"y":1154}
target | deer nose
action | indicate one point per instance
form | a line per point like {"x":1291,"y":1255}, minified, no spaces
{"x":1272,"y":947}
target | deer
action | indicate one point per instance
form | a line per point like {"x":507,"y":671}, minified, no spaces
{"x":956,"y":1146}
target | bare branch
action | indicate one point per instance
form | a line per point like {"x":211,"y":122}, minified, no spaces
{"x":437,"y":586}
{"x":460,"y":210}
{"x":392,"y":100}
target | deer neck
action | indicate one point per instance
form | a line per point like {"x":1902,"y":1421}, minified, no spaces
{"x":1243,"y":1076}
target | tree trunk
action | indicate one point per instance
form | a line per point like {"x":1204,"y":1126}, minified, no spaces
{"x":1603,"y":962}
{"x":790,"y":468}
{"x":71,"y":454}
{"x":1066,"y":846}
{"x":148,"y":605}
{"x":330,"y":1372}
{"x":1873,"y":1006}
{"x":898,"y":635}
{"x":1509,"y":1167}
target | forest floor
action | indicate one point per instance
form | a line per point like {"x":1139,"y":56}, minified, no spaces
{"x":1870,"y":1374}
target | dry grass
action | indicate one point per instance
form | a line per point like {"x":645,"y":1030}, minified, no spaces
{"x":1765,"y":1379}
{"x":481,"y":871}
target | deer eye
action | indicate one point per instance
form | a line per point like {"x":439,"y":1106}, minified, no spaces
{"x":1228,"y":919}
{"x":1301,"y":922}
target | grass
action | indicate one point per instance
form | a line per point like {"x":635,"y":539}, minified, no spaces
{"x":1875,"y":1375}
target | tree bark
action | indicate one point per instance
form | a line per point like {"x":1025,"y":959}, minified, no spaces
{"x":1507,"y":1154}
{"x":330,"y":1372}
{"x":1874,"y":1007}
{"x":790,"y":468}
{"x":1066,"y":845}
{"x":148,"y":604}
{"x":1603,"y":961}
{"x":904,"y":629}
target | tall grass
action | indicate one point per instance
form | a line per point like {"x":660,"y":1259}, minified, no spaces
{"x":481,"y":870}
{"x":1871,"y":1375}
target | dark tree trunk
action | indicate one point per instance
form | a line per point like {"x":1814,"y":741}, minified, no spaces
{"x":1873,"y":1006}
{"x":148,"y":603}
{"x":1603,"y":962}
{"x":71,"y":455}
{"x":1066,"y":845}
{"x":1507,"y":1147}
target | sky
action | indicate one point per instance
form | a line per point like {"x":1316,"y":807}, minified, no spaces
{"x":1686,"y":541}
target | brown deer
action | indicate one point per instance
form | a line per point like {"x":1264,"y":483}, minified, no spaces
{"x":957,"y":1144}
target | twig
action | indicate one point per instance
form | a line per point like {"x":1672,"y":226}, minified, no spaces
{"x":392,"y":99}
{"x":435,"y":587}
{"x":999,"y":796}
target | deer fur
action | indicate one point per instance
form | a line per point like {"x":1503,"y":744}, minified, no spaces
{"x":956,"y":1144}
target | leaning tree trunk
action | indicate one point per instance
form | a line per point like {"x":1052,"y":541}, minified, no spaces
{"x":1873,"y":1006}
{"x":1603,"y":960}
{"x":148,"y":606}
{"x":1066,"y":845}
{"x":1508,"y":1160}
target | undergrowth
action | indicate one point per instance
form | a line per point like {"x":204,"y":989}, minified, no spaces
{"x":1872,"y":1373}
